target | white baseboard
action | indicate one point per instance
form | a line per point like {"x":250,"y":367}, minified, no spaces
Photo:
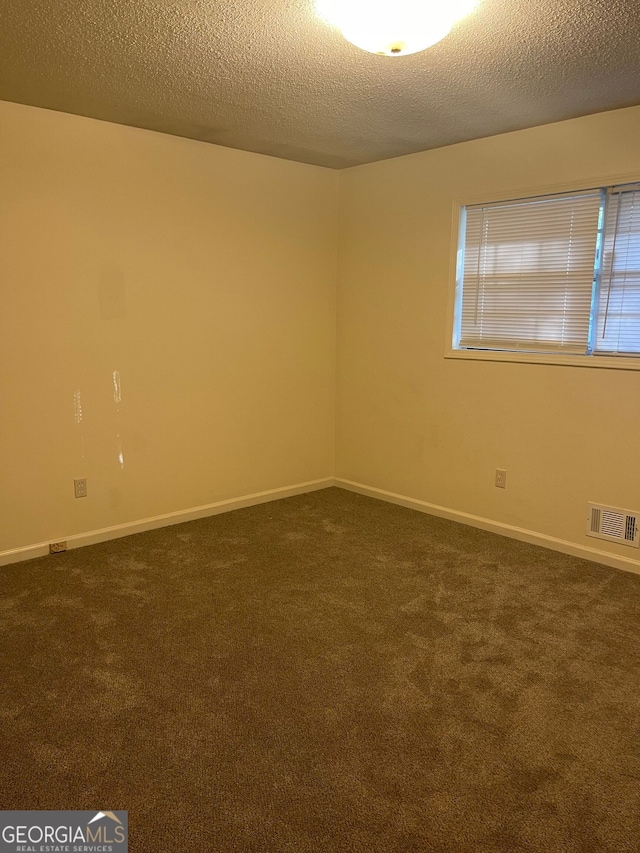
{"x":93,"y":536}
{"x":520,"y":533}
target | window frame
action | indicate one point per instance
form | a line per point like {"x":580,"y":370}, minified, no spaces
{"x":601,"y":361}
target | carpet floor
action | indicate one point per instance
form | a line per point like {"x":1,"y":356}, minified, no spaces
{"x":326,"y":673}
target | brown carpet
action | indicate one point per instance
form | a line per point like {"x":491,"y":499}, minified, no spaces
{"x":326,"y":673}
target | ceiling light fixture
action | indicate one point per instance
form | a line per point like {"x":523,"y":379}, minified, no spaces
{"x":394,"y":27}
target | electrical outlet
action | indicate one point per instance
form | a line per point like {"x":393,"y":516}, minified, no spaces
{"x":80,"y":487}
{"x":501,"y":478}
{"x":57,"y":547}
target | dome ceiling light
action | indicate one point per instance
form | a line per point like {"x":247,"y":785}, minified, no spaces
{"x":394,"y":27}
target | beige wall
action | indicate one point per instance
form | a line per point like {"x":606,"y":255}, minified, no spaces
{"x":202,"y":277}
{"x":174,"y":303}
{"x":410,"y":421}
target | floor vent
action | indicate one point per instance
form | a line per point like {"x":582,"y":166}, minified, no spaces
{"x":614,"y":525}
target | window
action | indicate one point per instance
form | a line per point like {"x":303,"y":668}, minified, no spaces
{"x":554,"y":274}
{"x":618,"y":309}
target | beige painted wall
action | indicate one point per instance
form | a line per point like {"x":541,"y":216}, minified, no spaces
{"x":174,"y":303}
{"x":410,"y":421}
{"x":201,"y":278}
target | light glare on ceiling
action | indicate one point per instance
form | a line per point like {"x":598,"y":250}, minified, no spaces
{"x":394,"y":27}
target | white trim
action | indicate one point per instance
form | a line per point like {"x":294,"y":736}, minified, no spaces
{"x":104,"y":534}
{"x":578,"y":185}
{"x":615,"y":362}
{"x":520,"y":533}
{"x":92,"y":537}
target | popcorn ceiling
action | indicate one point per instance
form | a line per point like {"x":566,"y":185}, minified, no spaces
{"x":269,"y":76}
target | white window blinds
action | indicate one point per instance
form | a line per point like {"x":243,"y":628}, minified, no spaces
{"x":618,"y":321}
{"x":528,"y":273}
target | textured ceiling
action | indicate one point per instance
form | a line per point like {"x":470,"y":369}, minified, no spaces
{"x":269,"y":76}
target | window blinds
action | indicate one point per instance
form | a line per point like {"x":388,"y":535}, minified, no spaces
{"x":528,"y":274}
{"x":618,"y":324}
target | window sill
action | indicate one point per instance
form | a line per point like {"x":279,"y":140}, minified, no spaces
{"x":599,"y":361}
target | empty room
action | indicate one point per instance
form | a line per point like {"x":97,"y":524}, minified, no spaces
{"x":319,"y":426}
